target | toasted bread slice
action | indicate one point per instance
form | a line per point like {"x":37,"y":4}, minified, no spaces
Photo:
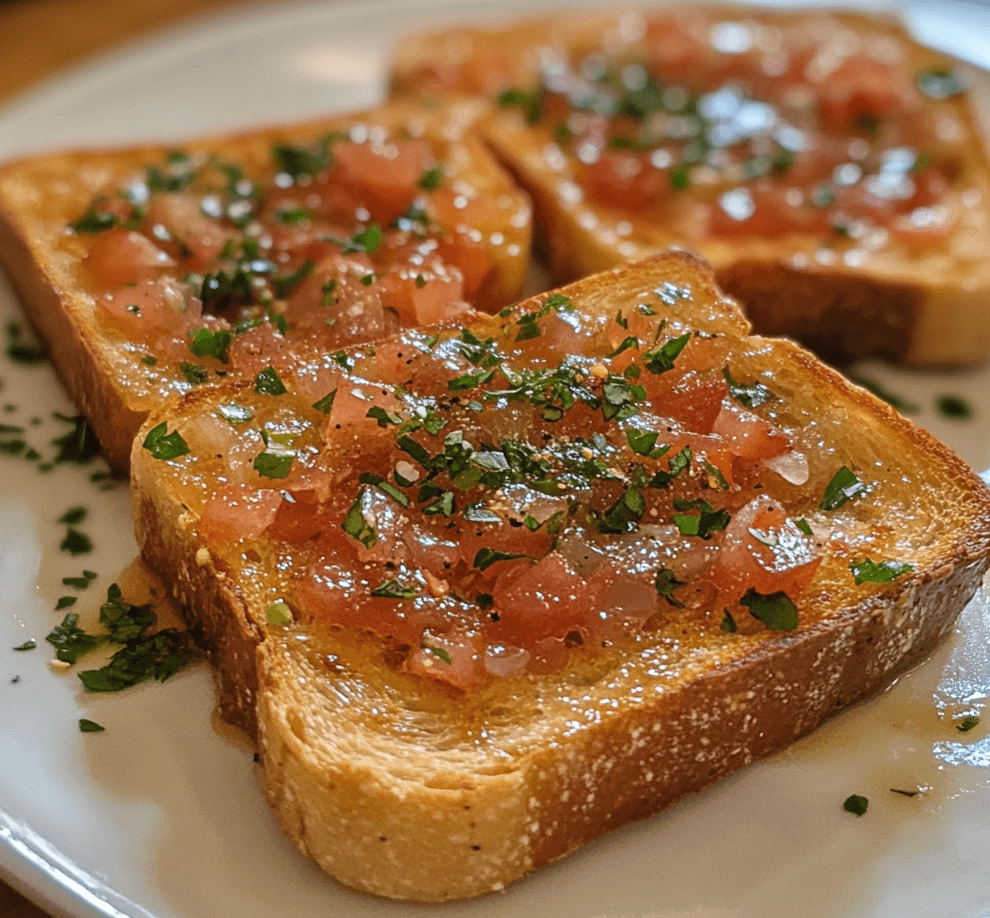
{"x":534,"y":578}
{"x":831,"y":169}
{"x":148,"y":270}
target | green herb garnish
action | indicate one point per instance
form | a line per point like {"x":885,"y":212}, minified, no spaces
{"x":430,"y":180}
{"x":661,"y":359}
{"x":234,"y":414}
{"x":867,"y":571}
{"x":165,"y":446}
{"x":89,"y":726}
{"x":940,"y":83}
{"x":775,"y":610}
{"x":392,"y":589}
{"x":273,"y":464}
{"x":486,"y":557}
{"x":268,"y":382}
{"x":209,"y":343}
{"x":76,"y":542}
{"x":705,"y":524}
{"x":752,"y":396}
{"x":356,"y":526}
{"x":855,"y":804}
{"x":531,"y":103}
{"x":843,"y":487}
{"x":954,"y":407}
{"x":666,"y":583}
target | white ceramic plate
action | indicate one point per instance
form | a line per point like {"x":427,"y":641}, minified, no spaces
{"x":159,"y":816}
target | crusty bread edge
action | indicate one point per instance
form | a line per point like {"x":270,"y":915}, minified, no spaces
{"x":839,"y":312}
{"x":62,"y":314}
{"x":475,"y":833}
{"x":370,"y":830}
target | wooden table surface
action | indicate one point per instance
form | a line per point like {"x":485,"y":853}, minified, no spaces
{"x":39,"y":38}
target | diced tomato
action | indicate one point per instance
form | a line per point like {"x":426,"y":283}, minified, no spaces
{"x":341,"y":294}
{"x":548,"y":599}
{"x":380,"y":178}
{"x":424,"y":295}
{"x":121,"y":258}
{"x":192,"y":237}
{"x":337,"y":592}
{"x":349,"y":419}
{"x":673,"y":51}
{"x":236,"y":512}
{"x":455,"y":657}
{"x":862,"y":89}
{"x":626,"y":180}
{"x":260,"y":347}
{"x":766,"y":209}
{"x":748,"y":435}
{"x":150,"y":309}
{"x":763,"y":549}
{"x":464,"y":248}
{"x":503,"y":661}
{"x":696,"y":400}
{"x":298,"y":518}
{"x":620,"y":603}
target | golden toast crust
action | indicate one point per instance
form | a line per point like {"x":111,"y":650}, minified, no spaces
{"x":910,"y":301}
{"x":368,"y":767}
{"x":102,"y":371}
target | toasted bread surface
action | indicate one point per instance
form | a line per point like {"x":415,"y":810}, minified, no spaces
{"x":400,"y":783}
{"x":823,"y":239}
{"x":115,"y":253}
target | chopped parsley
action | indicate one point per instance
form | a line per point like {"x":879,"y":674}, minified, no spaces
{"x":80,"y":583}
{"x":867,"y":571}
{"x":268,"y":382}
{"x":439,"y":653}
{"x":775,"y":610}
{"x":954,"y":407}
{"x":234,"y":414}
{"x":73,"y":516}
{"x":273,"y":463}
{"x":78,"y":445}
{"x":393,"y":589}
{"x":666,"y":583}
{"x":93,"y":221}
{"x":843,"y":487}
{"x":855,"y":804}
{"x":661,"y":359}
{"x":89,"y":726}
{"x":963,"y":726}
{"x":430,"y":180}
{"x":531,"y":102}
{"x":76,"y":542}
{"x":356,"y":526}
{"x":486,"y":557}
{"x":326,"y":403}
{"x":195,"y":373}
{"x":209,"y":343}
{"x":165,"y":446}
{"x":27,"y":645}
{"x":752,"y":396}
{"x":940,"y":83}
{"x":705,"y":524}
